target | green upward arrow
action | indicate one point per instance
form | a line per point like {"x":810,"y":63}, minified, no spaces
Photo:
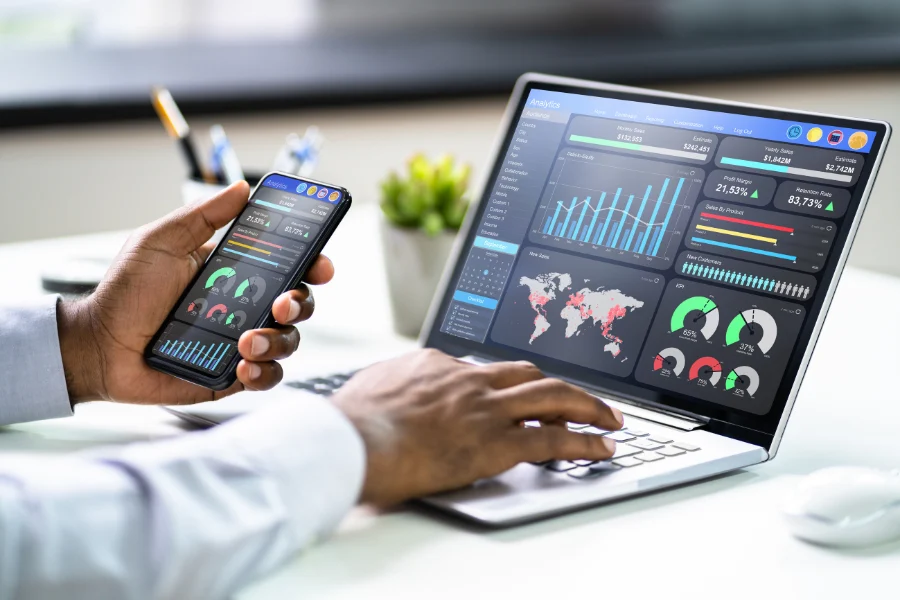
{"x":755,"y":194}
{"x":830,"y":207}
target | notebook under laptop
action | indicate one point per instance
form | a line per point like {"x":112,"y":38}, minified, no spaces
{"x":674,"y":255}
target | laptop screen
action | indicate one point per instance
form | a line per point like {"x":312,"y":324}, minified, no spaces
{"x":668,"y":250}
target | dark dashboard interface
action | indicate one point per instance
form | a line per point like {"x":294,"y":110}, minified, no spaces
{"x":254,"y":262}
{"x":669,"y":248}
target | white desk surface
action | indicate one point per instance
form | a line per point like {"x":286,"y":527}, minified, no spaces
{"x":722,"y":538}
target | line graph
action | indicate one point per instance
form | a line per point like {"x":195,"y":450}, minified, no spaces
{"x":627,"y":209}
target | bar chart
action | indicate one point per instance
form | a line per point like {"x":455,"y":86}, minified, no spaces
{"x":195,"y":348}
{"x":630,"y":210}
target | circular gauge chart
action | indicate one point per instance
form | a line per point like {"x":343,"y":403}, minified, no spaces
{"x":698,"y":313}
{"x":218,"y":309}
{"x":671,"y":359}
{"x":198,"y":306}
{"x":236,"y":319}
{"x":753,"y":326}
{"x":221,"y":278}
{"x":743,"y":378}
{"x":253,"y":288}
{"x":706,"y":368}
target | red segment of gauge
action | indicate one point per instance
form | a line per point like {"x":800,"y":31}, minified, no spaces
{"x":218,"y":308}
{"x":708,"y":368}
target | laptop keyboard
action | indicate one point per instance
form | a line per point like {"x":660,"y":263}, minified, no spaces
{"x":633,"y":446}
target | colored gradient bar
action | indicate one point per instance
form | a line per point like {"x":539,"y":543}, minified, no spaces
{"x":584,"y":139}
{"x":275,"y":206}
{"x":748,"y":236}
{"x":762,"y":166}
{"x":662,"y":231}
{"x":659,"y":199}
{"x":248,"y":247}
{"x":637,"y":219}
{"x":744,"y":249}
{"x":268,"y":262}
{"x":746,"y":222}
{"x":608,"y":217}
{"x":256,"y":241}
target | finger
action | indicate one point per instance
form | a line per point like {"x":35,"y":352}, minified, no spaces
{"x":294,"y":306}
{"x":269,"y":344}
{"x":259,"y":376}
{"x":321,"y":272}
{"x":553,"y":400}
{"x":204,"y":251}
{"x":187,"y":229}
{"x":507,"y":374}
{"x":557,"y":443}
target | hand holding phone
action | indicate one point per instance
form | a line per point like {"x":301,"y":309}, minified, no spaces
{"x":266,"y":251}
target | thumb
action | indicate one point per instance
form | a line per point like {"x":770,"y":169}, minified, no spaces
{"x":188,"y":228}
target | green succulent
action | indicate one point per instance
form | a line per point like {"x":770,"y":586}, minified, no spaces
{"x":432,"y":197}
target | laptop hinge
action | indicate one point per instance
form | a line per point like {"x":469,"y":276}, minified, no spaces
{"x":642,"y":409}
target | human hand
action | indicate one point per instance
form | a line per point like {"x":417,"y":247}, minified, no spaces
{"x":103,"y":336}
{"x":432,"y":423}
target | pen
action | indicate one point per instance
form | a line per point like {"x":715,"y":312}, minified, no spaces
{"x":225,"y":154}
{"x":178,"y":129}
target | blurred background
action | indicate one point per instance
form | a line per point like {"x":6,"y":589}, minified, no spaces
{"x":383,"y":79}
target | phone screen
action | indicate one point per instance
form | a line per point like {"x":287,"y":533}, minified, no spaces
{"x":256,"y":260}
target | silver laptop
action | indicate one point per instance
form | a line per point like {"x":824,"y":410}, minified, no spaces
{"x":674,"y":255}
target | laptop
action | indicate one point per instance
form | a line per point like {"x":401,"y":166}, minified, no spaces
{"x":673,"y":255}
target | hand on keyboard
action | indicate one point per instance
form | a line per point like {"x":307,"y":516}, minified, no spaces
{"x":432,"y":423}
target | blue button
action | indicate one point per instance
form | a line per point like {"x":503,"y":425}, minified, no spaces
{"x":475,"y":299}
{"x":496,"y":245}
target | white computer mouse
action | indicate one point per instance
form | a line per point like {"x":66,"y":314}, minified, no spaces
{"x":846,"y":506}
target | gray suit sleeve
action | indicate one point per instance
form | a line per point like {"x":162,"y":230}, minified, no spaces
{"x":32,"y":380}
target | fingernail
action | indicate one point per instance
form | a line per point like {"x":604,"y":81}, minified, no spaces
{"x":294,"y":311}
{"x":259,"y":346}
{"x":610,"y":445}
{"x":254,"y":371}
{"x":617,"y":414}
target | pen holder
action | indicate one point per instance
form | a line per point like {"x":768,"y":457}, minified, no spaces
{"x":195,"y":190}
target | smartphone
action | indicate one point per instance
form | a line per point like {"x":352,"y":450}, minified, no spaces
{"x":266,"y":251}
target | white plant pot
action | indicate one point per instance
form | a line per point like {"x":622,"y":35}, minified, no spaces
{"x":414,"y":263}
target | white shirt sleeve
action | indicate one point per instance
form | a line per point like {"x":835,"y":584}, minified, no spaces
{"x":32,"y":382}
{"x":198,"y":516}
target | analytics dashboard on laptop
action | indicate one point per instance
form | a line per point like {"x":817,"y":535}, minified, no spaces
{"x":662,"y":248}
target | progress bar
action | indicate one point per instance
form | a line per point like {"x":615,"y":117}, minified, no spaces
{"x":748,"y":236}
{"x":584,"y":139}
{"x":262,"y":260}
{"x":248,"y":247}
{"x":270,"y":205}
{"x":752,"y":164}
{"x":746,"y":222}
{"x":744,"y":249}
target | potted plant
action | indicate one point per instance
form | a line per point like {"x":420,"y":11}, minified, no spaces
{"x":423,"y":210}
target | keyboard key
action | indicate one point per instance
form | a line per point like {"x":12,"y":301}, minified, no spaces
{"x":627,"y":461}
{"x":584,"y":462}
{"x":595,"y":431}
{"x":670,"y":451}
{"x":645,"y":444}
{"x":649,"y":456}
{"x":597,"y":470}
{"x":532,"y":423}
{"x":561,"y":466}
{"x":626,"y":450}
{"x":620,"y":436}
{"x":578,"y":426}
{"x":660,"y":439}
{"x":637,"y":432}
{"x":686,"y":446}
